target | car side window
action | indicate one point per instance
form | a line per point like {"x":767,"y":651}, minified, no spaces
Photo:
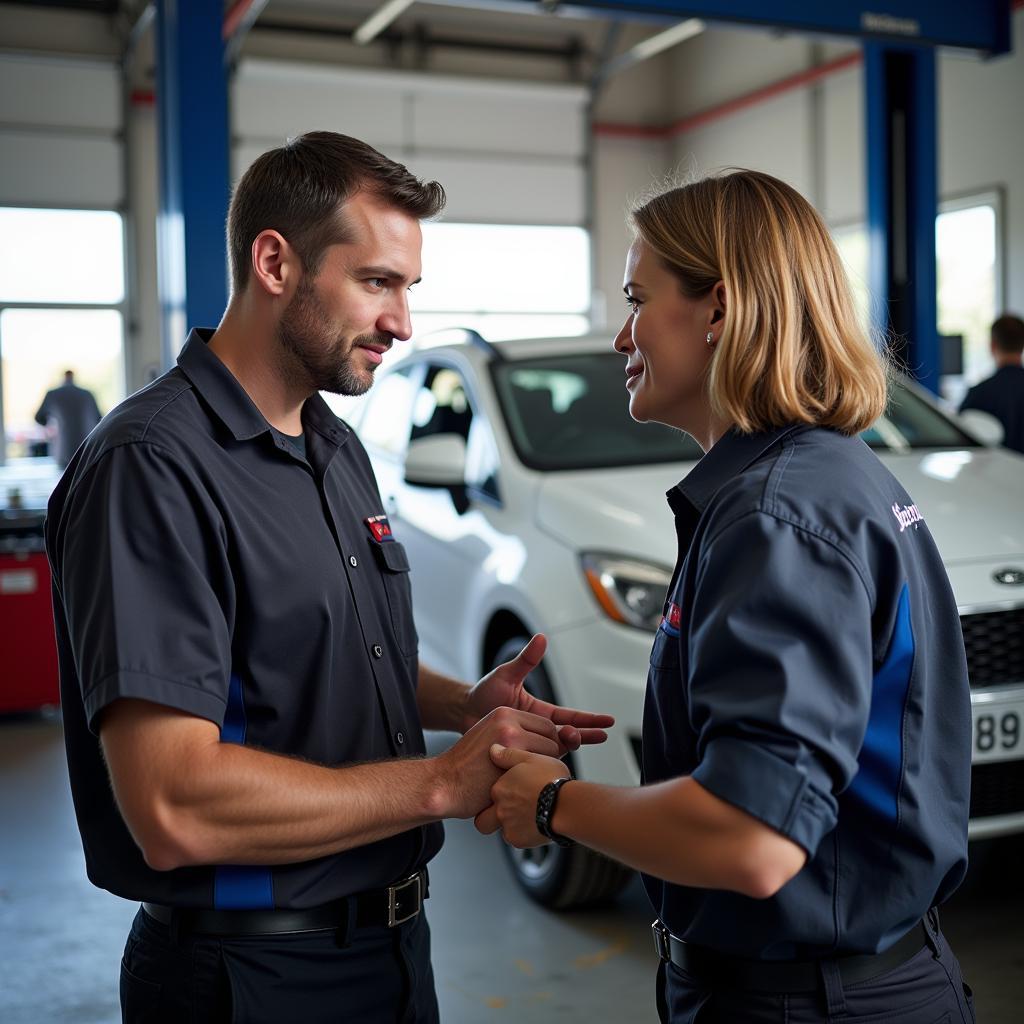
{"x":385,"y":423}
{"x":442,"y":406}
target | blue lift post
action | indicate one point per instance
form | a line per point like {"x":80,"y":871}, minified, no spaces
{"x":900,"y":105}
{"x":192,"y":110}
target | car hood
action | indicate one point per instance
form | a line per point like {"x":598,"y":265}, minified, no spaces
{"x":971,"y":499}
{"x":619,"y":511}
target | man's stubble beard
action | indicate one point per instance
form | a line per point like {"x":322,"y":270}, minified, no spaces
{"x":312,"y":359}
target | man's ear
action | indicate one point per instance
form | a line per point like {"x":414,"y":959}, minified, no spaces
{"x":275,"y":264}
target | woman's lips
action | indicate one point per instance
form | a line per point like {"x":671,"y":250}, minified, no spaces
{"x":632,"y":373}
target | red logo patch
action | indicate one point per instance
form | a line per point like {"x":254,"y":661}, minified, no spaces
{"x":673,"y":616}
{"x":379,"y":527}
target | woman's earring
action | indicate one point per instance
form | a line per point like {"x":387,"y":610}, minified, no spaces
{"x":710,"y":339}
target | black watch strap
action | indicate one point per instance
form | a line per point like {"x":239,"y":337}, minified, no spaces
{"x":546,"y":809}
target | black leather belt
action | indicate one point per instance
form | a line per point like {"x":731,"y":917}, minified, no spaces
{"x":382,"y":908}
{"x":709,"y":967}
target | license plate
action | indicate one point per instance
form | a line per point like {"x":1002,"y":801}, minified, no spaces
{"x":998,"y":727}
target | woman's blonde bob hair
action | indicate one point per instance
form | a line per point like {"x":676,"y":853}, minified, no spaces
{"x":791,"y":348}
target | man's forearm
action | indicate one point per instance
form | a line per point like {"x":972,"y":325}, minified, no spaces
{"x":237,"y":805}
{"x":442,"y":701}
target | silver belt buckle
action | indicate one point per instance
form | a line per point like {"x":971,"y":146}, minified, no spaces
{"x":662,"y":946}
{"x":394,"y":894}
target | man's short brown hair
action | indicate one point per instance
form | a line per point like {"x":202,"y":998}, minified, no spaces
{"x":1008,"y":334}
{"x":299,"y":189}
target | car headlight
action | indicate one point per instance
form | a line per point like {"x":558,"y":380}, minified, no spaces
{"x":628,"y":591}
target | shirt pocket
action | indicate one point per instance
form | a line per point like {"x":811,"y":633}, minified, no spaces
{"x":665,"y":651}
{"x":394,"y":565}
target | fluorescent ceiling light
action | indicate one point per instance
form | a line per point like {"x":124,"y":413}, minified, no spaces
{"x":379,"y":20}
{"x":664,"y":40}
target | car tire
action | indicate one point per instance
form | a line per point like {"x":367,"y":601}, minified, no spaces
{"x":560,"y":878}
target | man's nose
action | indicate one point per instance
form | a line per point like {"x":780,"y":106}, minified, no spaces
{"x":397,"y":320}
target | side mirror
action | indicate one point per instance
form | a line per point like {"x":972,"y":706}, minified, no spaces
{"x":983,"y":427}
{"x":436,"y":461}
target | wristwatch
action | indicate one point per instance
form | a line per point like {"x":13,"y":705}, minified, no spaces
{"x":546,"y":808}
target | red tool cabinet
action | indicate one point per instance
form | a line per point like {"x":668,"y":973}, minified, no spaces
{"x":28,"y":651}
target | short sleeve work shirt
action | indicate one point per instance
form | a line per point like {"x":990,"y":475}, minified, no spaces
{"x":810,"y":670}
{"x":202,"y":563}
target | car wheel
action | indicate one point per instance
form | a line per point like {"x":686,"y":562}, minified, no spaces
{"x":558,"y":877}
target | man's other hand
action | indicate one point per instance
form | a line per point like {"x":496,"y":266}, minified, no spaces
{"x":504,"y":687}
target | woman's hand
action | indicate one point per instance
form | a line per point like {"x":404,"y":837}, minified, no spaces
{"x":514,"y":795}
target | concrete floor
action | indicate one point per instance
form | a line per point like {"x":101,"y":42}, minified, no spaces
{"x":496,"y":956}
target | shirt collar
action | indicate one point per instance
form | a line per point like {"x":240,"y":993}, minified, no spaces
{"x":726,"y":459}
{"x":228,"y":399}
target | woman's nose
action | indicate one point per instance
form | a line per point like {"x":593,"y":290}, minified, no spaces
{"x":624,"y":339}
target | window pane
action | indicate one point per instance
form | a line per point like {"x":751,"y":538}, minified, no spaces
{"x":38,"y":345}
{"x":965,"y":249}
{"x":61,"y":256}
{"x":502,"y":327}
{"x":503,"y":268}
{"x":852,"y":243}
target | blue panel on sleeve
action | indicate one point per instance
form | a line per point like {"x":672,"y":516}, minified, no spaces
{"x":240,"y":887}
{"x":880,"y":762}
{"x":233,"y":729}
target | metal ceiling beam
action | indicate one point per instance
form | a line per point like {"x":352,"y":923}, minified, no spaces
{"x":240,"y":18}
{"x":380,"y":20}
{"x":650,"y":47}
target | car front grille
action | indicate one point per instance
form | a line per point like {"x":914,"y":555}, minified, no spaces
{"x":994,"y":642}
{"x":997,"y":787}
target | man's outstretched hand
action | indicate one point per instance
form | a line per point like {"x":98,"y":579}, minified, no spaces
{"x":504,"y":687}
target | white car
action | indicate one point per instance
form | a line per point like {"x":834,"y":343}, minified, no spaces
{"x":529,"y":501}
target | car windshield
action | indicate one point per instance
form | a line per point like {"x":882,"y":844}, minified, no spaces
{"x":571,"y":412}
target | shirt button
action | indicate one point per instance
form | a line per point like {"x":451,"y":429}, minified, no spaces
{"x":378,"y":651}
{"x":399,"y":737}
{"x":353,"y":561}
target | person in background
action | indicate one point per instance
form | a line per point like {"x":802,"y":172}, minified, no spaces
{"x":74,"y":411}
{"x":807,"y":727}
{"x":1002,"y":394}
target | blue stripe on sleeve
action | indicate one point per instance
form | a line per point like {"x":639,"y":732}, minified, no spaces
{"x":880,"y":762}
{"x":240,"y":887}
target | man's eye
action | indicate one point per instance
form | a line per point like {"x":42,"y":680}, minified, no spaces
{"x":377,"y":282}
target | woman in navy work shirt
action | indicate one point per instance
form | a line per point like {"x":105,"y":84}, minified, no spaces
{"x":806,"y":746}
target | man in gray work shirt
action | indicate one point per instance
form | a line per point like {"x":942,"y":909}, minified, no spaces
{"x":75,"y":411}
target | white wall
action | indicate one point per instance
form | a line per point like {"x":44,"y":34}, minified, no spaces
{"x":981,"y":142}
{"x":623,"y":170}
{"x":817,"y":145}
{"x":505,"y":152}
{"x":60,"y":120}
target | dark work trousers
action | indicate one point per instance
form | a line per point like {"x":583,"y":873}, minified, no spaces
{"x":926,"y":989}
{"x":370,"y":976}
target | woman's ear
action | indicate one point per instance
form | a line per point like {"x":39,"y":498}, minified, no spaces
{"x":719,"y":302}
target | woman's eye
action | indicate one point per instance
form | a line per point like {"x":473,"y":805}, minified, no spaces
{"x":634,"y":304}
